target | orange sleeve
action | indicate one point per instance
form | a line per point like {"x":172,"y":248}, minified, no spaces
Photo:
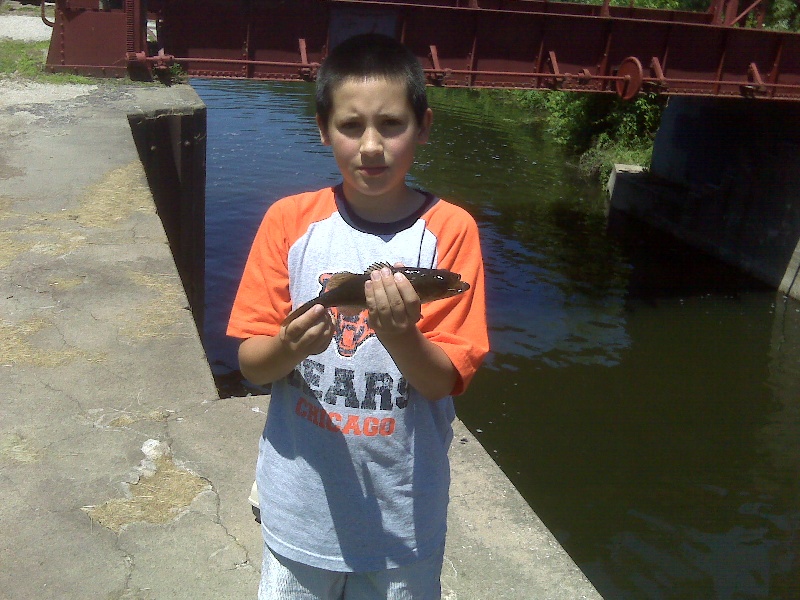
{"x":263,"y":299}
{"x":458,"y":324}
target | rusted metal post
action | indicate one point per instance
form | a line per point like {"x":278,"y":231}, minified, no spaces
{"x":136,"y":18}
{"x":716,"y":9}
{"x":88,"y":39}
{"x":731,"y":9}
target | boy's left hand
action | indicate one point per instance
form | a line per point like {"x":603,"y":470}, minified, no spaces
{"x":392,"y":302}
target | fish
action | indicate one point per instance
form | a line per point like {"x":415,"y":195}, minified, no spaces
{"x":347,"y":289}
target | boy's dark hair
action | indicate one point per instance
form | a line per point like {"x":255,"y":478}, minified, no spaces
{"x":367,"y":56}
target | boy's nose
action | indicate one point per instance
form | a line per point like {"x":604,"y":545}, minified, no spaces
{"x":371,"y":142}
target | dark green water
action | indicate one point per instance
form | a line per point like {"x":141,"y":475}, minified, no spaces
{"x":645,"y":400}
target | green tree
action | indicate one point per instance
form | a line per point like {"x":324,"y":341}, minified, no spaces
{"x":784,"y":15}
{"x":603,"y":129}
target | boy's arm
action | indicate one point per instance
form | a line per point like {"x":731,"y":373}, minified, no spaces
{"x":264,"y":359}
{"x":394,"y":309}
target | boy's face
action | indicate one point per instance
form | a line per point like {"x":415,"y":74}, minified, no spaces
{"x":373,"y":133}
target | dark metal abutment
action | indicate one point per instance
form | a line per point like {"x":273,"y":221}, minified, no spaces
{"x":725,"y":178}
{"x":172,"y":148}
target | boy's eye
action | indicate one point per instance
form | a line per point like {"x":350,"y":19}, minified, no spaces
{"x":350,"y":127}
{"x":392,"y":126}
{"x":387,"y":126}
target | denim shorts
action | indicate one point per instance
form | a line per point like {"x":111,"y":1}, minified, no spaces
{"x":284,"y":579}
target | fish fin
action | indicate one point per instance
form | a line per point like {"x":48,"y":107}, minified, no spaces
{"x":338,"y":279}
{"x":378,"y":266}
{"x":298,"y":311}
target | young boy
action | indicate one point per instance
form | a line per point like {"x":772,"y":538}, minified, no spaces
{"x":353,"y":473}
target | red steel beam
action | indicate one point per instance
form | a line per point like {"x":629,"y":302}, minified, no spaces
{"x":460,"y":43}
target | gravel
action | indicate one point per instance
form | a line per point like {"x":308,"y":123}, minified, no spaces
{"x":15,"y":94}
{"x":23,"y":27}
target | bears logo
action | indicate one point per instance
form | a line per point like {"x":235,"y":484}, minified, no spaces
{"x":351,"y":331}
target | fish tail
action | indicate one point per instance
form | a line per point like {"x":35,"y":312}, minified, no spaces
{"x":299,"y":311}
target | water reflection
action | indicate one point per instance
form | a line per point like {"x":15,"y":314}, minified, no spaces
{"x":644,"y":400}
{"x":262,"y":145}
{"x":555,"y":287}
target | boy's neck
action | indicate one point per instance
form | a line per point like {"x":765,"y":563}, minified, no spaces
{"x":387,"y":208}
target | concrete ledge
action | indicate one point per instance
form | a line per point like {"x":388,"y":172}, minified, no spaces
{"x":497,"y":548}
{"x":99,"y":353}
{"x":122,"y":474}
{"x":697,"y":218}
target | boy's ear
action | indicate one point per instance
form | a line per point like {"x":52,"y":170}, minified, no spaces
{"x":323,"y":132}
{"x":425,"y":127}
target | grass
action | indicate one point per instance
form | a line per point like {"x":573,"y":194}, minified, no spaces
{"x":158,"y":497}
{"x":27,"y":59}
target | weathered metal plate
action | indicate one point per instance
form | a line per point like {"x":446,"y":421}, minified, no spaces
{"x":463,"y":43}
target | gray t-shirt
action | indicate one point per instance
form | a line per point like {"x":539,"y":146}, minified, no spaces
{"x":353,"y":472}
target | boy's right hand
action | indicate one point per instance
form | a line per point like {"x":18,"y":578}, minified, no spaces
{"x":266,"y":358}
{"x":310,"y":333}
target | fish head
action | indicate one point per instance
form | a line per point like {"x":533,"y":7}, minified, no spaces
{"x":438,"y":284}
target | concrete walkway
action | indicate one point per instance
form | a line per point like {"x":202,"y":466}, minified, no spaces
{"x":122,"y":474}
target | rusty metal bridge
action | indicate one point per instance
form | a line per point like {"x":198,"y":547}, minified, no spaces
{"x":529,"y":44}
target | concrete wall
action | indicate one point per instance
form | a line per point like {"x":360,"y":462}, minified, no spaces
{"x":725,"y":177}
{"x":172,"y":147}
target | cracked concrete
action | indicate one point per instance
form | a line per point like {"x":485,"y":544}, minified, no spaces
{"x":98,"y":355}
{"x":100,"y":360}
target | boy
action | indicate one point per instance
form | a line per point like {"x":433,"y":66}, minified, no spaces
{"x":353,"y":474}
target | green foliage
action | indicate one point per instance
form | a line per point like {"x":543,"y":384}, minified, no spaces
{"x":23,"y":58}
{"x":781,"y":14}
{"x":665,"y":4}
{"x":492,"y":104}
{"x":172,"y":75}
{"x":27,"y":59}
{"x":599,"y":160}
{"x":600,"y":129}
{"x":784,"y":15}
{"x":603,"y":129}
{"x":24,"y":9}
{"x":581,"y":121}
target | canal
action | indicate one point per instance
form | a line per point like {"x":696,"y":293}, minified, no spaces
{"x":644,"y":399}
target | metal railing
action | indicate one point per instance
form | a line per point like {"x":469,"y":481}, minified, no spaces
{"x":461,"y":43}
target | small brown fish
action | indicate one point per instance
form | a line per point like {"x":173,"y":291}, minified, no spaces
{"x":347,"y":289}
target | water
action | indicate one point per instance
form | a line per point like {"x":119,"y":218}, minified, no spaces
{"x":643,"y":399}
